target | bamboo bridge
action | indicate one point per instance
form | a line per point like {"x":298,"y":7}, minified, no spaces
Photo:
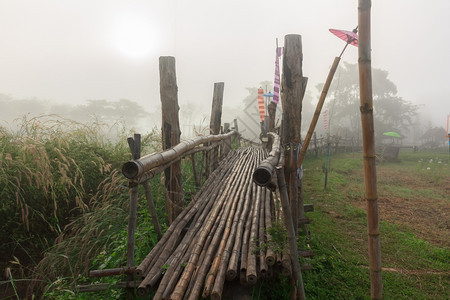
{"x":225,"y":233}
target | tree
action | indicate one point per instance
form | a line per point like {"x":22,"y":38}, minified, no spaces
{"x":391,"y":112}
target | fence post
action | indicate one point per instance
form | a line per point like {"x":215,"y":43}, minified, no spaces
{"x":170,"y":134}
{"x":135,"y":147}
{"x":272,"y":108}
{"x":214,"y":125}
{"x":226,"y":143}
{"x":236,"y":128}
{"x":293,"y":87}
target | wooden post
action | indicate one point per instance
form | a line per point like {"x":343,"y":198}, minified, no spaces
{"x":236,"y":128}
{"x":214,"y":125}
{"x":135,"y":147}
{"x":272,"y":108}
{"x":170,"y":134}
{"x":370,"y":175}
{"x":293,"y":91}
{"x":226,"y":148}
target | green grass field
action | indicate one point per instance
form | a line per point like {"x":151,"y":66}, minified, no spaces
{"x":414,"y":204}
{"x":66,"y":206}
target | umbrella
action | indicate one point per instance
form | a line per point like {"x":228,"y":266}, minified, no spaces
{"x":350,"y":37}
{"x":392,"y":134}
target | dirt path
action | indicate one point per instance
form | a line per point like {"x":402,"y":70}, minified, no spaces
{"x":409,"y":199}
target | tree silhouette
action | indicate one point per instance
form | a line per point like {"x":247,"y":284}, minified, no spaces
{"x":391,"y":112}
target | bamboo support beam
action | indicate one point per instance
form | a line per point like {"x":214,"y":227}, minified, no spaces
{"x":104,"y":286}
{"x":110,"y":272}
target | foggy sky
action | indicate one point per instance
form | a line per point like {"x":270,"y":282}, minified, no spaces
{"x":70,"y":51}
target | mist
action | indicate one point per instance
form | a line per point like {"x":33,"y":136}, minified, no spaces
{"x":64,"y":54}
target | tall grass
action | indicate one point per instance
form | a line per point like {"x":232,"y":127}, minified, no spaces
{"x":61,"y":190}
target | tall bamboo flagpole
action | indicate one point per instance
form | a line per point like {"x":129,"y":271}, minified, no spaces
{"x":370,"y":176}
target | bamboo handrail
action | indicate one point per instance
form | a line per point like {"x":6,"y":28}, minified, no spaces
{"x":135,"y":168}
{"x":263,"y":173}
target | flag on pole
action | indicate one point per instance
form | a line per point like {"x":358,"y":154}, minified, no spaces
{"x":261,"y":104}
{"x":325,"y":120}
{"x":276,"y":85}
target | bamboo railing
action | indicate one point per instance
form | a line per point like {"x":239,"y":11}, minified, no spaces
{"x":161,"y":160}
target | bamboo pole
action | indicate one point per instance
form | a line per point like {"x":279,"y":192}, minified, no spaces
{"x":177,"y":226}
{"x":232,"y":270}
{"x":134,"y":169}
{"x":245,"y":240}
{"x":367,"y":124}
{"x":104,"y":286}
{"x":291,"y":233}
{"x":132,"y":220}
{"x":236,"y":206}
{"x":263,"y":173}
{"x":210,"y":191}
{"x":152,"y":209}
{"x":169,"y":242}
{"x":220,"y":279}
{"x":222,"y":232}
{"x":194,"y":171}
{"x":270,"y":254}
{"x":183,"y":283}
{"x":110,"y":272}
{"x":251,"y":271}
{"x":262,"y":233}
{"x":135,"y":147}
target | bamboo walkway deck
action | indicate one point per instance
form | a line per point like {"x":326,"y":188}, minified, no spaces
{"x":221,"y":235}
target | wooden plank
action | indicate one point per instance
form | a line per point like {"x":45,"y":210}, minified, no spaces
{"x":308,"y":207}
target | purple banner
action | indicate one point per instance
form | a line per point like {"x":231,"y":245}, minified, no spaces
{"x":276,"y":85}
